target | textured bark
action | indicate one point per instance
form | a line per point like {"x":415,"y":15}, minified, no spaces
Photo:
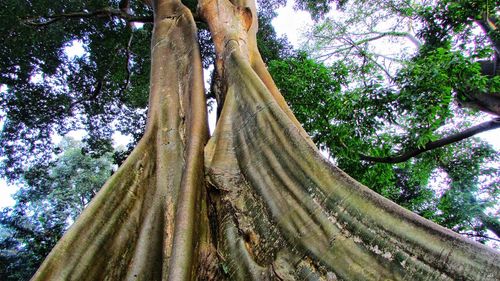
{"x":271,"y":208}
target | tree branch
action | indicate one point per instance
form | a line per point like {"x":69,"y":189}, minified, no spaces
{"x":482,"y":127}
{"x":479,"y":236}
{"x":491,"y":223}
{"x":380,"y":35}
{"x":127,"y":66}
{"x":486,"y":102}
{"x":489,"y":25}
{"x":102,"y":13}
{"x":376,"y":35}
{"x":148,"y":3}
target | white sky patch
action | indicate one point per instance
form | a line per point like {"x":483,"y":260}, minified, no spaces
{"x":75,"y":49}
{"x":76,"y":135}
{"x":212,"y":117}
{"x":6,"y":192}
{"x":120,"y":140}
{"x":292,"y":23}
{"x":212,"y":110}
{"x":492,"y":137}
{"x":440,"y":182}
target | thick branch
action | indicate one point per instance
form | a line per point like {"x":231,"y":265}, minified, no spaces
{"x":479,"y":236}
{"x":483,"y":127}
{"x":486,"y":102}
{"x":491,"y":223}
{"x":489,"y":26}
{"x":127,"y":66}
{"x":103,"y":13}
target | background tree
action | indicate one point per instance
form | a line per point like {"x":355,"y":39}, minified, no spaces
{"x":49,"y":199}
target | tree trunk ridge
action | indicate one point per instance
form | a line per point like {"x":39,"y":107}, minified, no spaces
{"x":258,"y":201}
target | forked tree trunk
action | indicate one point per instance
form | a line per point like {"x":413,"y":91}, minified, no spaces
{"x":271,"y":208}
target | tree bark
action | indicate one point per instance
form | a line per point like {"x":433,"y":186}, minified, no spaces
{"x":271,"y":208}
{"x":488,"y":24}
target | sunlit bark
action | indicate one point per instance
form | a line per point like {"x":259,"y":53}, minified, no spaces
{"x":271,"y":208}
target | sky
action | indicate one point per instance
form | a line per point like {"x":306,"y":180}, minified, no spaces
{"x":292,"y":24}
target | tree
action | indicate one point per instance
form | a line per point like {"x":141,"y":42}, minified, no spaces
{"x":256,"y":200}
{"x":49,"y":200}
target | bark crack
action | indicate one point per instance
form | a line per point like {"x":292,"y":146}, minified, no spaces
{"x":276,"y":273}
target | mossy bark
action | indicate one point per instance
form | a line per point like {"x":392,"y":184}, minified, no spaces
{"x":259,"y":203}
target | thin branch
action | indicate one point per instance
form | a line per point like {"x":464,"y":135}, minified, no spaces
{"x":408,"y":35}
{"x":127,"y":67}
{"x":482,"y":127}
{"x":388,"y":58}
{"x":379,"y":35}
{"x":479,"y":236}
{"x":366,"y":55}
{"x":124,"y":6}
{"x":94,"y":94}
{"x":102,"y":13}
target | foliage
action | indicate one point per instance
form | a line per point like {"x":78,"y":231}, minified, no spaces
{"x":46,"y":91}
{"x":48,"y":201}
{"x":447,"y":19}
{"x":271,"y":46}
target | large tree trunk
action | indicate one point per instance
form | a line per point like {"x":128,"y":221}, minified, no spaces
{"x":272,"y":208}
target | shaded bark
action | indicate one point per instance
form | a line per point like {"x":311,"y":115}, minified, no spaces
{"x":271,"y":208}
{"x":483,"y":127}
{"x":485,"y":102}
{"x":491,"y":223}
